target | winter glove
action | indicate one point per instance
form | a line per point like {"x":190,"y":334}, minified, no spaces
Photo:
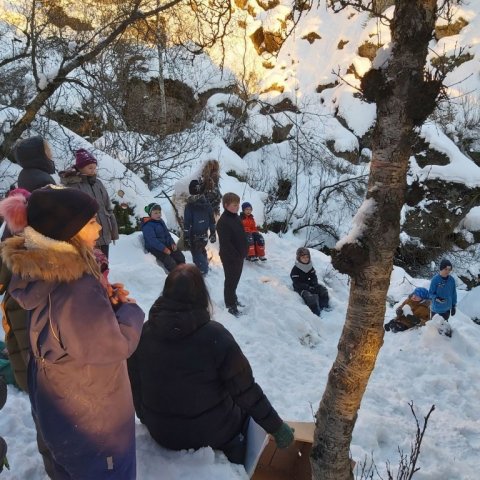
{"x":453,"y":311}
{"x":284,"y":436}
{"x":213,"y":238}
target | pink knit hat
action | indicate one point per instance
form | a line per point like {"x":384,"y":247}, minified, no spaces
{"x":84,"y":158}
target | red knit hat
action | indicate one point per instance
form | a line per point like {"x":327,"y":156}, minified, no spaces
{"x":84,"y":158}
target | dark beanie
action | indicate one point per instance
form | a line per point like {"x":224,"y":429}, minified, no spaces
{"x":445,"y":263}
{"x":84,"y":158}
{"x":246,"y":205}
{"x":58,"y":212}
{"x":194,"y":187}
{"x":152,"y":206}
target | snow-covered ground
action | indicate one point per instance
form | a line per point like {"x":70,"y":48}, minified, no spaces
{"x":291,"y":352}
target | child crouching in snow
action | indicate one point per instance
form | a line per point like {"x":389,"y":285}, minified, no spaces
{"x":158,"y":240}
{"x":305,"y":282}
{"x":256,"y":243}
{"x":414,"y":311}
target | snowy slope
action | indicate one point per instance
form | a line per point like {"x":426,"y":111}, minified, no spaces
{"x":291,"y":352}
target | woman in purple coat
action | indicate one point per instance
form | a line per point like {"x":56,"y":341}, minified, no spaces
{"x":80,"y":338}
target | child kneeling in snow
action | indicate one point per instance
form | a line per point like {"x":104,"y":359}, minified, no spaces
{"x":256,"y":243}
{"x":158,"y":240}
{"x":414,"y":311}
{"x":305,"y":282}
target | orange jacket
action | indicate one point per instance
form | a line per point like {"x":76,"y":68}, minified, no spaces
{"x":249,"y":224}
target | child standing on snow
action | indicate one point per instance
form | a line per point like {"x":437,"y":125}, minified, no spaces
{"x":158,"y":240}
{"x":305,"y":282}
{"x":80,"y":338}
{"x":198,"y":221}
{"x":414,"y":311}
{"x":256,"y":243}
{"x":443,"y":291}
{"x":233,"y":249}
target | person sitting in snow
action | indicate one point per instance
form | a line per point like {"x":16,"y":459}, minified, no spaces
{"x":192,"y":385}
{"x":413,"y":312}
{"x":256,"y":243}
{"x":305,"y":282}
{"x":198,"y":222}
{"x":443,"y":291}
{"x":158,"y":240}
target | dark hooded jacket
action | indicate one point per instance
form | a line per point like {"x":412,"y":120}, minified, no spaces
{"x":303,"y":280}
{"x":36,"y":166}
{"x":198,"y":218}
{"x":192,"y":385}
{"x":78,"y":381}
{"x":93,"y":186}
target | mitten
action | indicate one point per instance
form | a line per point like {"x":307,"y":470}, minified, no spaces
{"x":284,"y":436}
{"x":213,"y":238}
{"x":453,"y":311}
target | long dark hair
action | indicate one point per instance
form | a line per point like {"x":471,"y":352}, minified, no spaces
{"x":185,"y":284}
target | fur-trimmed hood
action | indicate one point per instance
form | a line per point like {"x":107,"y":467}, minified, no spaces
{"x":36,"y":257}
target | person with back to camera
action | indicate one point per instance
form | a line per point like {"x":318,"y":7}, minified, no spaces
{"x":413,"y":312}
{"x":35,"y":157}
{"x":305,"y":282}
{"x":233,"y":249}
{"x":443,"y":291}
{"x":83,"y":177}
{"x":198,"y":220}
{"x":80,"y":337}
{"x":192,"y":385}
{"x":158,"y":240}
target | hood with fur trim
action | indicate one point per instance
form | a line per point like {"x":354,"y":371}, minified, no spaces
{"x":35,"y":257}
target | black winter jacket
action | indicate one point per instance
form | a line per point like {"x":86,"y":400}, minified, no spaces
{"x":233,"y":242}
{"x":198,"y":218}
{"x":303,"y":280}
{"x":192,"y":385}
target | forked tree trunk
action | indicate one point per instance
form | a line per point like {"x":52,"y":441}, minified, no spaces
{"x":403,"y":100}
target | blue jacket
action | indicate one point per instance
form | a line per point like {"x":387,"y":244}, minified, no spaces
{"x":156,"y":234}
{"x":443,"y":293}
{"x":77,"y":378}
{"x":198,"y":218}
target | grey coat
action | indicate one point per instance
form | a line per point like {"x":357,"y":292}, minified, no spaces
{"x":94,"y":187}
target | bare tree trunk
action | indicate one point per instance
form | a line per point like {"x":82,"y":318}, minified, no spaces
{"x":404,"y":99}
{"x":161,"y":44}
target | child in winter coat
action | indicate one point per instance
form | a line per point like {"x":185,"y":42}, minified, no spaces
{"x":414,"y":311}
{"x":198,"y":221}
{"x":305,"y":282}
{"x":192,"y":385}
{"x":443,"y":291}
{"x":158,"y":240}
{"x":256,"y":243}
{"x":35,"y":157}
{"x":233,"y":249}
{"x":80,"y":338}
{"x":83,"y":176}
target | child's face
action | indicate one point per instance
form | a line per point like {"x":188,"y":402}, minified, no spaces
{"x":445,"y":272}
{"x":305,"y":258}
{"x":415,"y":298}
{"x":89,"y":170}
{"x":156,"y":214}
{"x":232,"y":207}
{"x":90,"y":232}
{"x":248,"y":211}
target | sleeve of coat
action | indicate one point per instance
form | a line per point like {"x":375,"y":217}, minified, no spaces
{"x":236,"y":374}
{"x":109,"y":211}
{"x":454,"y":293}
{"x":88,"y":328}
{"x":298,"y":286}
{"x":187,"y":221}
